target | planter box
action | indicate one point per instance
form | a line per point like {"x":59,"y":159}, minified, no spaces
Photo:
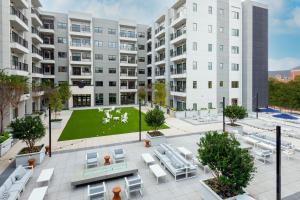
{"x":56,"y":124}
{"x":208,"y":194}
{"x":157,"y":140}
{"x":234,"y":129}
{"x":5,"y":146}
{"x":22,"y":159}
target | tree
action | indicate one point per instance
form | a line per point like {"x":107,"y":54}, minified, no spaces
{"x":65,"y":92}
{"x":28,"y":129}
{"x":142,"y":93}
{"x":235,"y":113}
{"x":160,"y":93}
{"x":155,"y":118}
{"x":55,"y":102}
{"x":233,"y":167}
{"x":19,"y":87}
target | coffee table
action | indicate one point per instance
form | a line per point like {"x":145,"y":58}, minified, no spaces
{"x":147,"y":158}
{"x":187,"y":153}
{"x":38,"y":193}
{"x":45,"y":176}
{"x":157,"y":171}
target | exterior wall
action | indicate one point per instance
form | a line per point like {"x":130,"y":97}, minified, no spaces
{"x":295,"y":74}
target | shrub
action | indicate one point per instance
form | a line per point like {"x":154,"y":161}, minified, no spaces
{"x":232,"y":166}
{"x":235,"y":113}
{"x":28,"y":129}
{"x":4,"y":136}
{"x":155,"y":118}
{"x":55,"y":102}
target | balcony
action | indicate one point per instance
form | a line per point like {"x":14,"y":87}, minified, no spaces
{"x":21,"y":4}
{"x":160,"y":60}
{"x":179,"y":36}
{"x":78,"y":73}
{"x":128,"y":49}
{"x":128,"y":36}
{"x":179,"y":54}
{"x":160,"y":31}
{"x":160,"y":45}
{"x":78,"y":60}
{"x":49,"y":73}
{"x":80,"y":30}
{"x":48,"y":44}
{"x":178,"y":73}
{"x":36,"y":38}
{"x":128,"y":61}
{"x":179,"y":18}
{"x":80,"y":46}
{"x":18,"y":20}
{"x":160,"y":74}
{"x":178,"y":91}
{"x":128,"y":87}
{"x":19,"y":68}
{"x":36,"y":3}
{"x":128,"y":74}
{"x":48,"y":59}
{"x":37,"y":72}
{"x":18,"y":44}
{"x":47,"y":28}
{"x":36,"y":54}
{"x":36,"y":18}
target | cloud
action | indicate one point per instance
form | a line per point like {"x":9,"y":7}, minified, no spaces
{"x":283,"y":63}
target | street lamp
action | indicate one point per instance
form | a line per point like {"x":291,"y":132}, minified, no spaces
{"x":223,"y":114}
{"x":50,"y":131}
{"x":140,"y":120}
{"x":257,"y":109}
{"x":278,"y":163}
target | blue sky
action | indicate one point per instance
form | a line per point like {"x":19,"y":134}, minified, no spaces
{"x":284,"y":40}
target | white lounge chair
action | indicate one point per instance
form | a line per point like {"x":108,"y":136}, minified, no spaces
{"x":106,"y":120}
{"x":97,"y":192}
{"x":113,"y":108}
{"x":100,"y":109}
{"x":133,"y":184}
{"x":119,"y":155}
{"x":92,"y":159}
{"x":264,"y":155}
{"x":124,"y":120}
{"x":118,"y":111}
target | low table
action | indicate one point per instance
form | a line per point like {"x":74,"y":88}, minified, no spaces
{"x":147,"y":158}
{"x":185,"y":152}
{"x":157,"y":171}
{"x":38,"y":193}
{"x":45,"y":176}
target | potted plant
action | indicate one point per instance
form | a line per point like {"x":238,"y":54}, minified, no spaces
{"x":56,"y":106}
{"x":235,"y":113}
{"x":5,"y":143}
{"x":29,"y":129}
{"x":155,"y":118}
{"x":232,"y":167}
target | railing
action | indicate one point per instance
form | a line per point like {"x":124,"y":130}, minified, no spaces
{"x":48,"y":42}
{"x":160,"y":43}
{"x":79,"y":59}
{"x":179,"y":14}
{"x":128,"y":87}
{"x":175,"y":71}
{"x":37,"y":70}
{"x":128,"y":48}
{"x":159,"y":73}
{"x":36,"y":51}
{"x":178,"y":89}
{"x":128,"y":34}
{"x":159,"y":29}
{"x":178,"y":33}
{"x":16,"y":12}
{"x":83,"y":29}
{"x":177,"y":53}
{"x":76,"y":44}
{"x":35,"y":31}
{"x":20,"y":66}
{"x":81,"y":73}
{"x":129,"y":73}
{"x":48,"y":26}
{"x":16,"y":38}
{"x":33,"y":11}
{"x":158,"y":59}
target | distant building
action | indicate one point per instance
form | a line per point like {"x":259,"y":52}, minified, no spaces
{"x":285,"y":75}
{"x":295,"y":73}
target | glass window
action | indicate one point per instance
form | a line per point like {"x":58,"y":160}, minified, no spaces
{"x":234,"y":84}
{"x":210,"y":27}
{"x":221,"y":65}
{"x":141,"y":34}
{"x":194,"y":46}
{"x":86,"y":55}
{"x":209,"y":47}
{"x":210,"y":65}
{"x":221,"y":83}
{"x":98,"y":43}
{"x":98,"y":70}
{"x":62,"y":40}
{"x":195,"y":28}
{"x":194,"y":84}
{"x":141,"y":47}
{"x":62,"y":69}
{"x":112,"y":70}
{"x":112,"y":83}
{"x":195,"y":7}
{"x":98,"y":56}
{"x":236,"y":32}
{"x":141,"y":59}
{"x":99,"y":83}
{"x":235,"y":15}
{"x":210,"y":10}
{"x":221,"y":11}
{"x":61,"y":25}
{"x":99,"y":99}
{"x":235,"y":67}
{"x":209,"y":84}
{"x":112,"y":98}
{"x":141,"y":71}
{"x":62,"y":54}
{"x":112,"y":44}
{"x":221,"y":48}
{"x":235,"y":50}
{"x":98,"y":29}
{"x":195,"y":65}
{"x":112,"y":31}
{"x":112,"y":58}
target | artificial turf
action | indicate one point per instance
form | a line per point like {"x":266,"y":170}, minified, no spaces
{"x":88,"y":124}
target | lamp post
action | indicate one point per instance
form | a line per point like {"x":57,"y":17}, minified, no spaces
{"x":50,"y":131}
{"x":278,"y":163}
{"x":140,"y":120}
{"x":223,"y":114}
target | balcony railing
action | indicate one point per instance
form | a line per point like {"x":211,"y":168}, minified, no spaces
{"x":48,"y":26}
{"x":175,"y":71}
{"x":16,"y":38}
{"x":178,"y":33}
{"x":83,"y":29}
{"x":76,"y":44}
{"x":33,"y":11}
{"x":79,"y":59}
{"x":160,"y":43}
{"x":129,"y":73}
{"x":159,"y":73}
{"x":178,"y":89}
{"x":37,"y":70}
{"x":179,"y":14}
{"x":16,"y":12}
{"x":36,"y":51}
{"x":159,"y":29}
{"x":178,"y":52}
{"x":158,"y":59}
{"x":20,"y":66}
{"x":128,"y":48}
{"x":74,"y":73}
{"x":35,"y":31}
{"x":125,"y":87}
{"x":128,"y":34}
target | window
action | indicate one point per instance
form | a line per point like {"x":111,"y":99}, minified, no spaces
{"x":210,"y":10}
{"x":234,"y":101}
{"x":209,"y":47}
{"x":236,"y":32}
{"x":209,"y":106}
{"x":221,"y":83}
{"x":194,"y":106}
{"x":112,"y":83}
{"x":195,"y":65}
{"x":141,"y":34}
{"x":62,"y":40}
{"x":62,"y":69}
{"x":99,"y":83}
{"x":112,"y":45}
{"x":235,"y":50}
{"x":221,"y":65}
{"x":221,"y":11}
{"x":98,"y":29}
{"x":141,"y":47}
{"x":62,"y":54}
{"x":86,"y":56}
{"x":194,"y":46}
{"x":99,"y":99}
{"x":194,"y":84}
{"x":221,"y":29}
{"x":142,"y":83}
{"x":98,"y":56}
{"x":141,"y":71}
{"x":235,"y":67}
{"x":112,"y":70}
{"x":112,"y":31}
{"x":210,"y":27}
{"x":195,"y":7}
{"x":209,"y":65}
{"x":209,"y":84}
{"x":235,"y":15}
{"x":141,"y":59}
{"x":112,"y":98}
{"x":98,"y":70}
{"x":112,"y":58}
{"x":195,"y":28}
{"x":221,"y":48}
{"x":234,"y":84}
{"x":98,"y":43}
{"x":61,"y":25}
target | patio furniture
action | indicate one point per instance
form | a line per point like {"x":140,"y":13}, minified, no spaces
{"x":157,"y":171}
{"x":38,"y":193}
{"x":97,"y":192}
{"x":100,"y":109}
{"x":133,"y":184}
{"x":185,"y":152}
{"x":45,"y":176}
{"x":289,"y":153}
{"x":12,"y":189}
{"x":113,"y":108}
{"x":147,"y":143}
{"x":198,"y":163}
{"x":119,"y":155}
{"x":92,"y":159}
{"x":263,"y":155}
{"x":116,"y":190}
{"x":105,"y":120}
{"x":124,"y":120}
{"x":118,"y":111}
{"x":147,"y":158}
{"x":107,"y":160}
{"x":116,"y":118}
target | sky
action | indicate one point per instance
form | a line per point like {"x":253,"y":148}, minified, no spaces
{"x":284,"y":21}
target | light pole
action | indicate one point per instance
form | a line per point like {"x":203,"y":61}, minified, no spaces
{"x":257,"y":105}
{"x":223,"y":114}
{"x":140,"y":120}
{"x":278,"y":163}
{"x":50,"y":131}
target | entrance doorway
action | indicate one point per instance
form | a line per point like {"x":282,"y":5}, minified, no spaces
{"x":81,"y":101}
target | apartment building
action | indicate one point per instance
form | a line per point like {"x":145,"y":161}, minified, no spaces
{"x":203,"y":50}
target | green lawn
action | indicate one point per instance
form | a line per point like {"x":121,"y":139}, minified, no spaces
{"x":88,"y":123}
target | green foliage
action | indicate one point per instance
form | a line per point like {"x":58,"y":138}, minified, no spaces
{"x":55,"y":102}
{"x":233,"y":167}
{"x":235,"y":113}
{"x":155,"y":118}
{"x":160,"y":93}
{"x":28,"y":129}
{"x":65,"y":92}
{"x":142,"y":93}
{"x":4,"y":136}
